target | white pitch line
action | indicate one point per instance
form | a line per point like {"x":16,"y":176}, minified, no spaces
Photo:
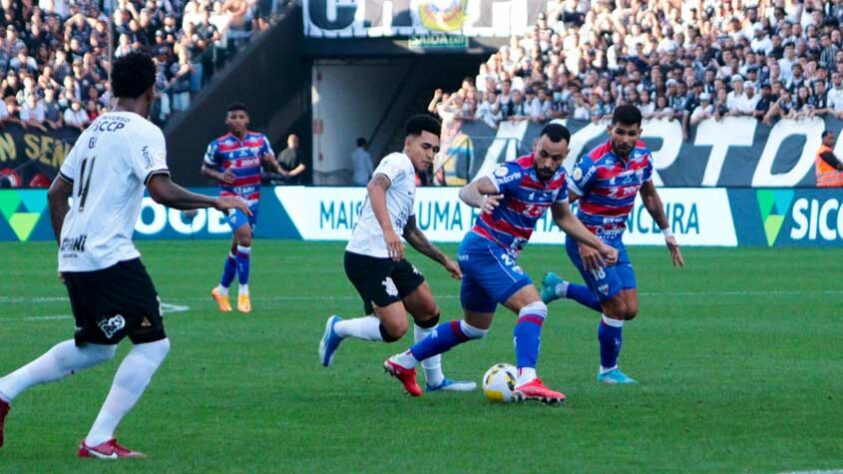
{"x":47,"y":318}
{"x":59,"y":299}
{"x":828,"y":471}
{"x":166,"y":308}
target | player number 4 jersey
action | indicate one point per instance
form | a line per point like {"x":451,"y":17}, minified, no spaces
{"x":367,"y":238}
{"x":109,"y":166}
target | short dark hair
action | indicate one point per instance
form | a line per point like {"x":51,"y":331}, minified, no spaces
{"x":556,"y":132}
{"x":422,"y":123}
{"x":827,"y":133}
{"x":132,"y":75}
{"x":361,"y":141}
{"x":234,"y":106}
{"x":627,"y":115}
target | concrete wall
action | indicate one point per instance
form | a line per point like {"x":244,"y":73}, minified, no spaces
{"x":349,"y":98}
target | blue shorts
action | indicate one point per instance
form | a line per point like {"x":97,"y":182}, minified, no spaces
{"x":490,"y":275}
{"x":606,"y":282}
{"x":238,"y":218}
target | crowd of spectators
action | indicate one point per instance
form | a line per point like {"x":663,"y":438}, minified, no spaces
{"x":677,"y":60}
{"x":54,"y":54}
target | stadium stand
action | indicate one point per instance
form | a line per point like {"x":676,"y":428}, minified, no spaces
{"x":683,"y":61}
{"x":54,"y":53}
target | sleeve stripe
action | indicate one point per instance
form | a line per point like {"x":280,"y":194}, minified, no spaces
{"x":65,"y":177}
{"x":576,"y":189}
{"x":153,"y":173}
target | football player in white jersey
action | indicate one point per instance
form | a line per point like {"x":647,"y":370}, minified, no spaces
{"x":374,"y":258}
{"x":111,"y":294}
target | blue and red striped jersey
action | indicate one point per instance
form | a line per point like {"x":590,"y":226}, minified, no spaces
{"x":525,"y":200}
{"x":607,"y":185}
{"x":243,"y":158}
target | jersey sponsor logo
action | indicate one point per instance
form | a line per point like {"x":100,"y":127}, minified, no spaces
{"x":148,"y":163}
{"x":74,"y":244}
{"x":112,"y":124}
{"x":389,"y":286}
{"x":110,"y":326}
{"x":512,"y":177}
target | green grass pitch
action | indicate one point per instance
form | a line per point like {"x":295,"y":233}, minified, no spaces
{"x":739,"y":356}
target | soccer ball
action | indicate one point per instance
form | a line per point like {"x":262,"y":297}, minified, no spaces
{"x":499,"y":382}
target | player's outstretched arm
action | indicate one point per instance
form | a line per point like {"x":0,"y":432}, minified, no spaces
{"x":416,"y":238}
{"x":653,"y":203}
{"x":568,"y":222}
{"x":57,"y":196}
{"x":226,"y":177}
{"x":482,"y":194}
{"x":164,"y":191}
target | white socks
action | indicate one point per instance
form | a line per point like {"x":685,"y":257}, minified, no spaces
{"x":130,"y":381}
{"x":432,"y":365}
{"x":366,"y":328}
{"x":60,"y":361}
{"x":243,"y":289}
{"x":405,"y":359}
{"x":561,"y":289}
{"x":525,"y":375}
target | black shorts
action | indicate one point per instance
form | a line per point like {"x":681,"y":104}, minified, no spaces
{"x":381,"y":281}
{"x":113,"y":303}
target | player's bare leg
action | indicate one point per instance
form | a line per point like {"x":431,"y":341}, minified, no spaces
{"x":243,"y":252}
{"x":421,"y":304}
{"x":620,"y":308}
{"x":220,"y":292}
{"x":531,"y":313}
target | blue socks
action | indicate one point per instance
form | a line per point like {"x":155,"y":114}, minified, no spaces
{"x":242,"y":258}
{"x":229,"y":271}
{"x":444,"y":337}
{"x":584,"y":296}
{"x":610,"y":335}
{"x":527,"y":334}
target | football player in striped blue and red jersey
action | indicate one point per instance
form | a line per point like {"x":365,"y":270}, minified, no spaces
{"x":235,"y":160}
{"x":513,"y":197}
{"x":606,"y":181}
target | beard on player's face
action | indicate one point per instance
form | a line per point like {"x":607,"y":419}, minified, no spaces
{"x":624,"y":138}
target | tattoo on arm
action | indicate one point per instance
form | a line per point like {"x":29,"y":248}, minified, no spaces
{"x":381,"y":181}
{"x":416,"y":238}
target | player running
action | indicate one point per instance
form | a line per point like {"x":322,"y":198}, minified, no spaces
{"x":375,"y":264}
{"x":606,"y":181}
{"x":234,"y":159}
{"x":513,"y":198}
{"x":110,"y":292}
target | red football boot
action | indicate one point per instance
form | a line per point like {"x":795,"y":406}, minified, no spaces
{"x":406,"y":376}
{"x":4,"y":410}
{"x":108,"y":450}
{"x":536,"y":390}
